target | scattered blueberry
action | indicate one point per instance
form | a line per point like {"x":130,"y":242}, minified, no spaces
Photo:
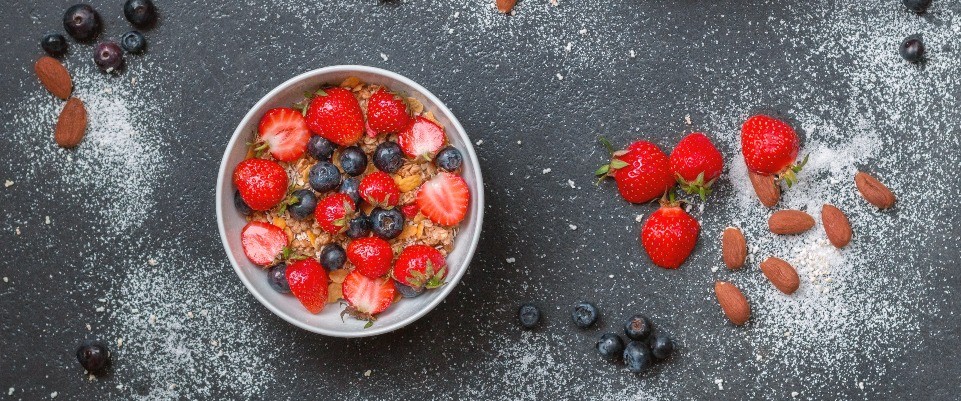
{"x":387,"y":223}
{"x":324,"y":176}
{"x":141,"y":13}
{"x":529,"y":316}
{"x":912,"y":49}
{"x":584,"y":314}
{"x":638,"y":327}
{"x":93,"y":355}
{"x":662,"y":346}
{"x":82,"y":22}
{"x":54,"y":44}
{"x":277,"y":276}
{"x":304,"y":204}
{"x":108,"y":56}
{"x":241,"y":205}
{"x":332,"y":257}
{"x":637,"y":356}
{"x":388,"y":157}
{"x":408,"y":291}
{"x":353,"y":160}
{"x":320,"y":148}
{"x":351,"y":188}
{"x":133,"y":42}
{"x":918,"y":6}
{"x":449,"y":159}
{"x":359,"y":226}
{"x":610,"y":346}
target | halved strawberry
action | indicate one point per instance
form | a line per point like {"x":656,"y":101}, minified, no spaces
{"x":444,"y":199}
{"x":262,"y":242}
{"x":367,"y":296}
{"x":335,"y":114}
{"x":387,"y":113}
{"x":262,"y":183}
{"x":420,"y":266}
{"x":379,"y":189}
{"x":284,"y":132}
{"x":423,"y":138}
{"x":334,"y":212}
{"x":308,"y":282}
{"x":371,"y":256}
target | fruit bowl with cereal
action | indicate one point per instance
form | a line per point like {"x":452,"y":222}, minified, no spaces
{"x":350,"y":201}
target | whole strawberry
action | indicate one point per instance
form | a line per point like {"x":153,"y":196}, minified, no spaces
{"x":642,"y":171}
{"x":379,"y":189}
{"x":335,"y":114}
{"x":770,"y":147}
{"x":696,"y":164}
{"x":669,"y":235}
{"x":333,"y":213}
{"x":387,"y":113}
{"x":420,"y":266}
{"x":371,"y":256}
{"x":262,"y":183}
{"x":308,"y":282}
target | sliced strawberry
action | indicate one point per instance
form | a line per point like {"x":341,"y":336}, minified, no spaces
{"x":334,"y":212}
{"x":423,"y":138}
{"x":285,"y":133}
{"x":444,"y":199}
{"x":308,"y":282}
{"x":335,"y":114}
{"x":420,"y":266}
{"x":367,"y":296}
{"x":262,"y":183}
{"x":387,"y":113}
{"x":371,"y":256}
{"x":410,"y":210}
{"x":262,"y":242}
{"x":379,"y":189}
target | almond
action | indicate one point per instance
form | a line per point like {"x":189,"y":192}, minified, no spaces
{"x":781,"y":274}
{"x":766,"y":188}
{"x":836,"y":225}
{"x":71,"y":125}
{"x":874,"y":191}
{"x":54,"y":77}
{"x":732,"y":302}
{"x":790,"y":222}
{"x":505,"y":6}
{"x":733,"y":248}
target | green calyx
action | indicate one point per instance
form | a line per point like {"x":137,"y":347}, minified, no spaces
{"x":789,"y":176}
{"x":696,"y":186}
{"x":429,"y":279}
{"x":615,"y":163}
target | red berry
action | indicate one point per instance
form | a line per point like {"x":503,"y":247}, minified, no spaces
{"x":262,"y":242}
{"x":410,"y":210}
{"x":770,"y":146}
{"x":420,"y":266}
{"x":379,"y":189}
{"x":387,"y":112}
{"x":669,"y":236}
{"x":642,"y":172}
{"x":334,"y":212}
{"x":308,"y":282}
{"x":285,"y":133}
{"x":423,"y":138}
{"x":367,"y":296}
{"x":335,"y":114}
{"x":371,"y":256}
{"x":262,"y":183}
{"x":696,"y":164}
{"x":444,"y":199}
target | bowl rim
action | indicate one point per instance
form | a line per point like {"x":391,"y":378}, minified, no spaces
{"x":471,"y":158}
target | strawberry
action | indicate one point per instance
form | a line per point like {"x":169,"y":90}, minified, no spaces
{"x":335,"y":114}
{"x":444,"y":199}
{"x":696,"y":164}
{"x":642,"y":171}
{"x":420,"y":266}
{"x":423,"y":138}
{"x":770,"y":147}
{"x":308,"y":282}
{"x":334,"y":212}
{"x":379,"y":189}
{"x":371,"y":256}
{"x":262,"y":183}
{"x":262,"y":242}
{"x":410,"y":210}
{"x":284,"y":132}
{"x":367,"y":296}
{"x":387,"y":113}
{"x":669,"y":235}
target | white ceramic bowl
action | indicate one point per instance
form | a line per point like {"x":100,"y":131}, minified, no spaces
{"x":328,"y":322}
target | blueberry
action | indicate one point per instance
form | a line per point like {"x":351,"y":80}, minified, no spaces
{"x":241,"y":205}
{"x":304,"y":204}
{"x":332,"y":257}
{"x":54,"y":44}
{"x":93,"y":355}
{"x":387,"y":223}
{"x":277,"y":276}
{"x":584,"y":314}
{"x":351,"y":188}
{"x":324,"y":176}
{"x":610,"y":346}
{"x":108,"y":56}
{"x":82,"y":22}
{"x":141,"y":13}
{"x":449,"y":159}
{"x":353,"y":160}
{"x":359,"y":226}
{"x":320,"y":148}
{"x":388,"y":157}
{"x":408,"y":291}
{"x":133,"y":42}
{"x":662,"y":346}
{"x":637,"y":356}
{"x":912,"y":49}
{"x":529,"y":316}
{"x":918,"y":6}
{"x":638,"y":327}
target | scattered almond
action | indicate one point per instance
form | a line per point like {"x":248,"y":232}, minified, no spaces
{"x":836,"y":225}
{"x":766,"y":188}
{"x":71,"y":125}
{"x":874,"y":191}
{"x":781,"y":274}
{"x":54,"y":77}
{"x":338,"y":275}
{"x":733,"y":248}
{"x":732,"y":302}
{"x":505,"y":6}
{"x":335,"y":291}
{"x":790,"y":222}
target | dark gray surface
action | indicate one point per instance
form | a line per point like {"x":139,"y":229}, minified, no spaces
{"x":832,"y":67}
